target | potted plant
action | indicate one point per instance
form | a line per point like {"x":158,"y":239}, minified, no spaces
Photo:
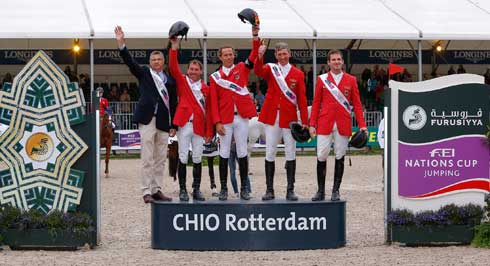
{"x":33,"y":229}
{"x":450,"y":224}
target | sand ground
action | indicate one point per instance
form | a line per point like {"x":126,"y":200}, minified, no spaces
{"x":126,"y":225}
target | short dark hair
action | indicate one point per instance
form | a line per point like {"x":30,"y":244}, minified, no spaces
{"x":334,"y":51}
{"x":156,"y":52}
{"x":195,"y":61}
{"x":225,"y":47}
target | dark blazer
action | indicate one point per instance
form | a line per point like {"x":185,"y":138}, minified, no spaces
{"x":149,"y":96}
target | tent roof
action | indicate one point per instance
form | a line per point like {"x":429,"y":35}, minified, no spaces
{"x":445,"y":20}
{"x":282,"y":19}
{"x":351,"y":19}
{"x":141,"y":18}
{"x":277,"y":19}
{"x":43,"y":19}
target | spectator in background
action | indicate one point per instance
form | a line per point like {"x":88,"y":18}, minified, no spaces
{"x":309,"y":85}
{"x":461,"y":69}
{"x":406,"y":76}
{"x":259,"y":97}
{"x":365,"y":76}
{"x":323,"y":70}
{"x":487,"y":76}
{"x":125,"y":98}
{"x":7,"y":78}
{"x":113,"y":94}
{"x":451,"y":71}
{"x":71,"y":76}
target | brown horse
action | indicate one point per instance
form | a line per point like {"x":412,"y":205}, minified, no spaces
{"x":106,"y":136}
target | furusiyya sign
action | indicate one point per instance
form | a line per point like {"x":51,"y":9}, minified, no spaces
{"x":253,"y":225}
{"x":437,"y":142}
{"x":253,"y":222}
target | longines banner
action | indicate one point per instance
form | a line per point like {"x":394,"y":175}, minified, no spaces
{"x":437,"y":141}
{"x":298,"y":56}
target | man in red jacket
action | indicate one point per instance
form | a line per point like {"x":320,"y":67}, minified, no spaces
{"x":285,"y":94}
{"x":335,"y":94}
{"x":193,"y":119}
{"x":231,"y":108}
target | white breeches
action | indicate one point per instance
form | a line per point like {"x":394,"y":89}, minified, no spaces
{"x":324,"y":142}
{"x":273,"y":135}
{"x":239,"y":130}
{"x":186,"y":137}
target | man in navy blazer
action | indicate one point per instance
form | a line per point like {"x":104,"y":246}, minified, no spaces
{"x":154,"y":115}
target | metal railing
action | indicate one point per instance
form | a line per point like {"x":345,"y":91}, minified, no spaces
{"x":123,"y":115}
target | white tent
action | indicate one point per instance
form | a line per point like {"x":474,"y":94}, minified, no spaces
{"x":293,"y":19}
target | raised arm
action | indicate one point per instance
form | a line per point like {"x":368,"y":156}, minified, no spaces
{"x":174,"y":65}
{"x":259,"y":68}
{"x":255,"y":48}
{"x":134,"y":67}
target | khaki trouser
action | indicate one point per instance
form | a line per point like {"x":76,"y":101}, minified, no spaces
{"x":154,"y":144}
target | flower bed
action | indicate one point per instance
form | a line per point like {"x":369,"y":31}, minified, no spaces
{"x":448,"y":225}
{"x":33,"y":229}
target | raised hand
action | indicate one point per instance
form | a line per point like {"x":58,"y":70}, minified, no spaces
{"x":175,"y":43}
{"x":262,"y":50}
{"x":255,"y":31}
{"x":119,"y":36}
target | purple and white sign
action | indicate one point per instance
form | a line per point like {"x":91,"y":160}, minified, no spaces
{"x":129,"y":139}
{"x":447,"y":166}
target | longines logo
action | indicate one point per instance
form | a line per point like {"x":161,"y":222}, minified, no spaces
{"x":391,"y":55}
{"x":472,"y":56}
{"x":414,"y":117}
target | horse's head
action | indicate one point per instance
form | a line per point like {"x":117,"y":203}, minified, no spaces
{"x":106,"y":120}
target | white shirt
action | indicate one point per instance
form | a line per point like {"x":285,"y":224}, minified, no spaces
{"x":227,"y":70}
{"x":196,"y":90}
{"x":285,"y":69}
{"x":337,"y":77}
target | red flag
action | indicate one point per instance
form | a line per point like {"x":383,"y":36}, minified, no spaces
{"x":393,"y":69}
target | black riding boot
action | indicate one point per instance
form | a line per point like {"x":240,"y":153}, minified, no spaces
{"x":243,"y":169}
{"x":196,"y":184}
{"x":337,"y":178}
{"x":291,"y":173}
{"x":321,"y":169}
{"x":211,"y":171}
{"x":182,"y":172}
{"x":223,"y":178}
{"x":270,"y":168}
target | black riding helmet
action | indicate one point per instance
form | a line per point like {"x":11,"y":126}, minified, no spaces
{"x":179,"y":28}
{"x":299,"y":133}
{"x":249,"y":15}
{"x":359,"y":140}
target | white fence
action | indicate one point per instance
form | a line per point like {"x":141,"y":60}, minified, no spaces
{"x":123,"y":115}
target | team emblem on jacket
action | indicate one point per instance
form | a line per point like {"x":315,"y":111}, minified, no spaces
{"x":293,"y":85}
{"x":346,"y":91}
{"x":237,"y":76}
